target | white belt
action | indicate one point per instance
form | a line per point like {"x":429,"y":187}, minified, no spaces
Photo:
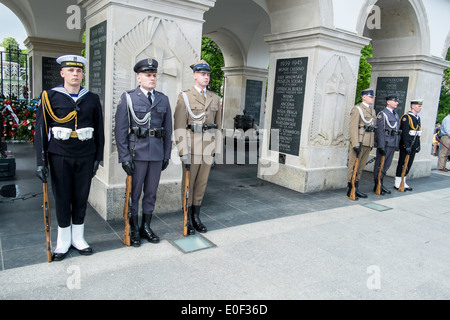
{"x":61,"y":133}
{"x":415,"y":133}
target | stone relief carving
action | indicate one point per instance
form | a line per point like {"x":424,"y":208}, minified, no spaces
{"x":333,"y":100}
{"x":162,"y":40}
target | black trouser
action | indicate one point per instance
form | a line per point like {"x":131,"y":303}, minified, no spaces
{"x":401,"y":161}
{"x":71,"y":183}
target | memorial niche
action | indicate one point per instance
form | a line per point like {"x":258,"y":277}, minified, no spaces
{"x":389,"y":85}
{"x":253,"y":99}
{"x":288,"y":99}
{"x":97,"y":60}
{"x":51,"y":76}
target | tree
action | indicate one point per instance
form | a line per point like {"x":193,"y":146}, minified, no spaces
{"x":365,"y":70}
{"x":212,"y":54}
{"x":15,"y":55}
{"x":444,"y":99}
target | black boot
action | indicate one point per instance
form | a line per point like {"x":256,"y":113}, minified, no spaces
{"x":384,"y":189}
{"x":349,"y":190}
{"x":382,"y":192}
{"x":358,"y":193}
{"x":198,"y":225}
{"x":135,"y":239}
{"x":146,"y":232}
{"x":190,"y":229}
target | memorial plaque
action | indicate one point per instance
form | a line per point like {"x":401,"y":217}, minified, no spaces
{"x":389,"y":85}
{"x":288,"y":99}
{"x":97,"y":60}
{"x":253,"y":96}
{"x":51,"y":76}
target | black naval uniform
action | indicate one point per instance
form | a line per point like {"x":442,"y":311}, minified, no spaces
{"x":409,"y":141}
{"x":72,"y":162}
{"x":148,"y":147}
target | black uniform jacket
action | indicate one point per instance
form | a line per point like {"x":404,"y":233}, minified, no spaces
{"x":89,"y":114}
{"x":149,"y":148}
{"x":406,"y":139}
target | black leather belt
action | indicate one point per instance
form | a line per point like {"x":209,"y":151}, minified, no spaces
{"x":368,"y":128}
{"x":141,"y":132}
{"x":201,"y":127}
{"x":393,"y":131}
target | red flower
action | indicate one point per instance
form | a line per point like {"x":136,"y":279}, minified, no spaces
{"x":7,"y":102}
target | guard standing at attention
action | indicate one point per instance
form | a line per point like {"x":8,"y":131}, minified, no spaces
{"x":143,"y":132}
{"x":198,"y":123}
{"x":386,"y":139}
{"x":409,"y":141}
{"x":362,"y":132}
{"x":70,"y":140}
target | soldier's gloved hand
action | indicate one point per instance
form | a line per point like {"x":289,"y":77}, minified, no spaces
{"x":94,"y":170}
{"x":357,"y":149}
{"x":165,"y":164}
{"x":408,"y":150}
{"x":128,"y":167}
{"x":382,"y":151}
{"x":418,"y":149}
{"x":42,"y":173}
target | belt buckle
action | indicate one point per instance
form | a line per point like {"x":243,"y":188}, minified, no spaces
{"x":151,"y":133}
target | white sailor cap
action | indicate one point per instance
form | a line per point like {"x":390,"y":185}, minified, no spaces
{"x":417,"y":101}
{"x":71,"y":60}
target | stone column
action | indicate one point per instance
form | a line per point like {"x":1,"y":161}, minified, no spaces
{"x":424,"y":77}
{"x":312,"y":83}
{"x":47,"y":50}
{"x":171,"y":33}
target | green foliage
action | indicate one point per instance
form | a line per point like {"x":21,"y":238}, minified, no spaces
{"x":365,"y":70}
{"x":211,"y":53}
{"x":15,"y":56}
{"x":444,"y":100}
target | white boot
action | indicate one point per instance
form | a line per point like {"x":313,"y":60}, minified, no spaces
{"x":63,"y":240}
{"x":407,"y":188}
{"x":398,"y":181}
{"x":78,"y":241}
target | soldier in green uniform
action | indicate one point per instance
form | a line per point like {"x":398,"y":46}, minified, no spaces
{"x":362,"y":137}
{"x":197,"y":124}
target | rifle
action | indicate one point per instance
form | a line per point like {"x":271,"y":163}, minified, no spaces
{"x":352,"y":195}
{"x":401,"y":188}
{"x":46,"y":209}
{"x":383,"y":159}
{"x":186,"y":200}
{"x":378,"y":189}
{"x":47,"y":223}
{"x":127,"y":212}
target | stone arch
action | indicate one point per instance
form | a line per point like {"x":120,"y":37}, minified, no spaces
{"x":408,"y":34}
{"x":231,"y":47}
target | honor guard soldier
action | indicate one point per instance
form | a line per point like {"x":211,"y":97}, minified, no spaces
{"x":409,"y":141}
{"x":69,"y":141}
{"x":386,"y":139}
{"x":143,"y":132}
{"x":362,"y":132}
{"x":197,"y":122}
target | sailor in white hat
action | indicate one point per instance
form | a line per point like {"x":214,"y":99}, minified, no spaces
{"x":69,"y":144}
